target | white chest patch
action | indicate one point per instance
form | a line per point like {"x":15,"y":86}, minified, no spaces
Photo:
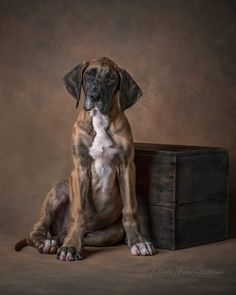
{"x":102,"y":149}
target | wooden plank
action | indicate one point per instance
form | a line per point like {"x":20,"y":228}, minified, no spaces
{"x":202,"y":166}
{"x":201,"y":177}
{"x":153,"y":195}
{"x":156,"y":195}
{"x":155,"y":181}
{"x":155,"y":162}
{"x":195,"y":191}
{"x":173,"y":150}
{"x":201,"y":230}
{"x":208,"y":207}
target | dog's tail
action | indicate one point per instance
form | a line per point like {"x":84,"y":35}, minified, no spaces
{"x":21,"y":244}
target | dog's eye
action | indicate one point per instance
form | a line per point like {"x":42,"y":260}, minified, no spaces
{"x":110,"y":79}
{"x":90,"y":74}
{"x":89,"y":78}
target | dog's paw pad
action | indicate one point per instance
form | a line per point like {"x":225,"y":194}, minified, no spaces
{"x":143,"y":249}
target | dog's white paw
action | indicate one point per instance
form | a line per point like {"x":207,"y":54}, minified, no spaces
{"x":143,"y":249}
{"x":67,"y":253}
{"x":48,"y":246}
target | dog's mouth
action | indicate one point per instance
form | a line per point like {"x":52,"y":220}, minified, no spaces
{"x":93,"y":107}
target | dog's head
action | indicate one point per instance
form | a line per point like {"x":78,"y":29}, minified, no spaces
{"x":101,"y":79}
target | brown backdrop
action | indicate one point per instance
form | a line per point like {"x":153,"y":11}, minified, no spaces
{"x":182,"y":53}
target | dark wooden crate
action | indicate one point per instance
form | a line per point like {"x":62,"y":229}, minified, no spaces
{"x":182,"y":194}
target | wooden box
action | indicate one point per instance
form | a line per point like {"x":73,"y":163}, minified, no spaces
{"x":182,"y":194}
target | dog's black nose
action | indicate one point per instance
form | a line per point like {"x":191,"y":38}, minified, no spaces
{"x":94,"y":97}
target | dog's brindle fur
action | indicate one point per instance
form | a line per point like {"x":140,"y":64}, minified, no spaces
{"x":97,"y":206}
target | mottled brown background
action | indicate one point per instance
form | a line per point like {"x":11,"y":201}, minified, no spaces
{"x":182,"y":53}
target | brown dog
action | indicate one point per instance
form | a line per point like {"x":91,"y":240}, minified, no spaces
{"x":97,"y":206}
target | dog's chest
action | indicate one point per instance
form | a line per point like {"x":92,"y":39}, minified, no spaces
{"x":102,"y":149}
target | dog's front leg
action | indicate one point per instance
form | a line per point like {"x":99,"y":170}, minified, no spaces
{"x":73,"y":243}
{"x":135,"y":240}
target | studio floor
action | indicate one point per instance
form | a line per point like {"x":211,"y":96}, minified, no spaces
{"x":207,"y":269}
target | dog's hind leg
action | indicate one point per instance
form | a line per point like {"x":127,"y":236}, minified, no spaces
{"x":107,"y":236}
{"x":49,"y":231}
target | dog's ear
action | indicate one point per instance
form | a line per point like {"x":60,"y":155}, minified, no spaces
{"x":129,"y":90}
{"x":73,"y":81}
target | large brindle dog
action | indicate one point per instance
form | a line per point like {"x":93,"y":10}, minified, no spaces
{"x":97,"y":206}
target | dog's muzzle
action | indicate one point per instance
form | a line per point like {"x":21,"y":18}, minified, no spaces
{"x":90,"y":102}
{"x":93,"y":101}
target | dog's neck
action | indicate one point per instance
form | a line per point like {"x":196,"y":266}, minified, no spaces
{"x":100,"y":122}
